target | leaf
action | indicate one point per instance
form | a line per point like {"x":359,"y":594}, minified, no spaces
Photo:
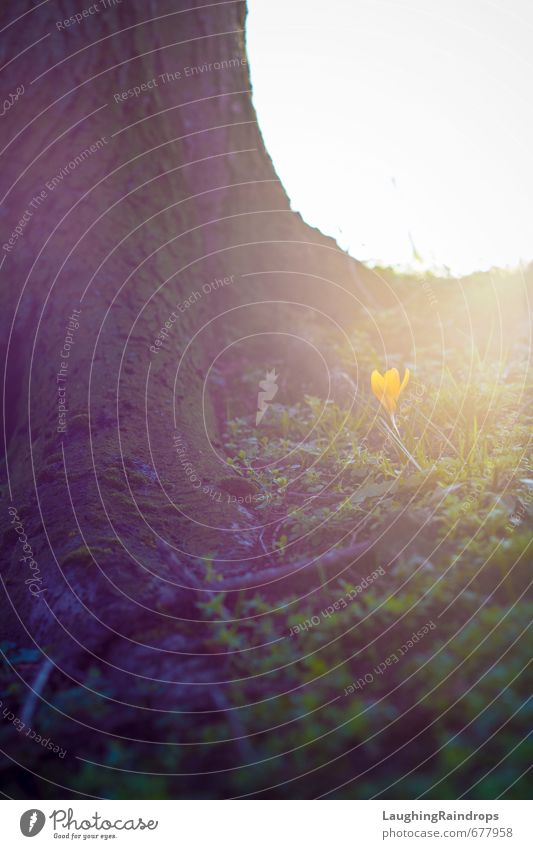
{"x":371,"y":490}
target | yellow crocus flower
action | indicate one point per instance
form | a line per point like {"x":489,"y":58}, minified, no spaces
{"x":387,"y":388}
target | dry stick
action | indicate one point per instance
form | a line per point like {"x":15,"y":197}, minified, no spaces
{"x":35,"y":692}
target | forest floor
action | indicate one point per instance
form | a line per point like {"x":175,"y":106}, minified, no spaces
{"x":393,"y":660}
{"x":417,"y":640}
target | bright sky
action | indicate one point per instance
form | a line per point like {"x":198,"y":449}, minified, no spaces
{"x":387,"y":118}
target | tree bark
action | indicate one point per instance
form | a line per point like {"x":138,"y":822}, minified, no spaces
{"x":136,"y":174}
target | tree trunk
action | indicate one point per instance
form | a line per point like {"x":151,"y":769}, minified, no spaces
{"x":149,"y":255}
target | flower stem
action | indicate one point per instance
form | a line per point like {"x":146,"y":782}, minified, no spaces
{"x":398,"y":441}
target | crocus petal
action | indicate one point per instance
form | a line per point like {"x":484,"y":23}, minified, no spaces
{"x":377,"y":381}
{"x":392,"y":383}
{"x":405,"y":380}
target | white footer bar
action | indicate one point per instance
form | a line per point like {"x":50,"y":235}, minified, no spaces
{"x":264,"y":824}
